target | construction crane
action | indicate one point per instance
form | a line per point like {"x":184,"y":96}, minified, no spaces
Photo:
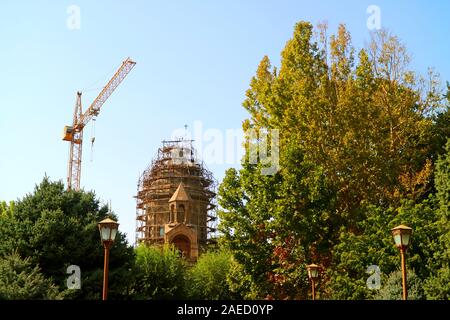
{"x":74,"y":133}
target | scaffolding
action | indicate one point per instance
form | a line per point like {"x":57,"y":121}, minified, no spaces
{"x":175,"y":163}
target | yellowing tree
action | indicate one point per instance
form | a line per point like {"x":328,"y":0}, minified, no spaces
{"x":367,"y":123}
{"x":355,"y":130}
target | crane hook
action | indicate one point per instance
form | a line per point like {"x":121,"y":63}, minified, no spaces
{"x":92,"y":139}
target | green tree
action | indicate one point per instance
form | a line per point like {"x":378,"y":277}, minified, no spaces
{"x":269,"y":232}
{"x":441,"y":129}
{"x":438,"y":286}
{"x":392,"y":287}
{"x":240,"y":283}
{"x":5,"y":209}
{"x":207,"y":279}
{"x":354,"y":132}
{"x":159,"y":273}
{"x":56,"y":228}
{"x":374,"y":245}
{"x":20,"y":280}
{"x":365,"y":122}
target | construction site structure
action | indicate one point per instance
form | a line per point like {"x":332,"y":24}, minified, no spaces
{"x":176,"y":200}
{"x":74,"y":133}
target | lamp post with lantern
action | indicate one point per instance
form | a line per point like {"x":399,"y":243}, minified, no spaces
{"x":108,"y":230}
{"x":313,"y":275}
{"x":402,"y":236}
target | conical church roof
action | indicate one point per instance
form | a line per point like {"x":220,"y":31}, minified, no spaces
{"x":180,"y":194}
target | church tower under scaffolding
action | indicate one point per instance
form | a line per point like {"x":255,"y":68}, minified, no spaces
{"x":175,"y":200}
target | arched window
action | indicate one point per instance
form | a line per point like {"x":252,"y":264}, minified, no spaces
{"x":172,"y":214}
{"x":181,"y":213}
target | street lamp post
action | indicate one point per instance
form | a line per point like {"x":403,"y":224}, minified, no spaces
{"x":402,"y":237}
{"x":108,"y":230}
{"x":313,"y":275}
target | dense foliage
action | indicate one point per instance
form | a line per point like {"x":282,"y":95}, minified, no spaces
{"x":207,"y":279}
{"x":361,"y":150}
{"x":54,"y":229}
{"x":159,"y":273}
{"x":19,"y":279}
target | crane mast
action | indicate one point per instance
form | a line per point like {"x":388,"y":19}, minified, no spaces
{"x":74,"y":133}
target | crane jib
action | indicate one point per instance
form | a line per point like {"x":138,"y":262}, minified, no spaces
{"x":74,"y":133}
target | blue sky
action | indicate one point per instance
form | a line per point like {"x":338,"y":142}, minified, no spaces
{"x":194,"y":63}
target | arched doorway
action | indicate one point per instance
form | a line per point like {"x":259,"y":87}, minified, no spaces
{"x":182,"y":243}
